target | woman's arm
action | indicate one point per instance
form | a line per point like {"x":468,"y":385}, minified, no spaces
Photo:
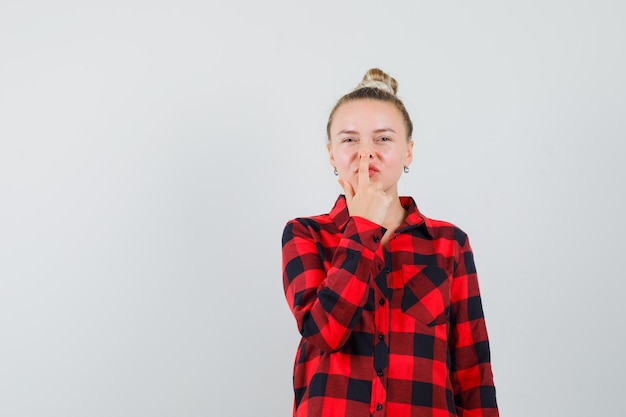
{"x":327,"y":300}
{"x":471,"y":374}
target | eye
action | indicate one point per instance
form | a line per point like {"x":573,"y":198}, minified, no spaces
{"x":344,"y":140}
{"x":384,"y":139}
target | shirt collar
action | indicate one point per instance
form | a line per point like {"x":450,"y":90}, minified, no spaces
{"x":340,"y":216}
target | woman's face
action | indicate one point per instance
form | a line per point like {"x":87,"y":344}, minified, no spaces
{"x":372,"y":126}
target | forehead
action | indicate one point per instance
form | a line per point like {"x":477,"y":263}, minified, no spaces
{"x":367,"y":115}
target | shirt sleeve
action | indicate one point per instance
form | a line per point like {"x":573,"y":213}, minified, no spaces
{"x":326,"y":296}
{"x":471,"y":373}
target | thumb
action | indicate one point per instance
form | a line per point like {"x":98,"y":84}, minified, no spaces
{"x":347,"y":189}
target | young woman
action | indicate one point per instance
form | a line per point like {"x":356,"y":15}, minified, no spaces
{"x":386,"y":299}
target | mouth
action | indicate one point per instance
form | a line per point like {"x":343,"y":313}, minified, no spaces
{"x":371,"y":171}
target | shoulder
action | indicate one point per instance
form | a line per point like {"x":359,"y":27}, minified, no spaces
{"x":442,"y":229}
{"x":309,"y":225}
{"x":314,"y":222}
{"x":319,"y":224}
{"x":437,"y":229}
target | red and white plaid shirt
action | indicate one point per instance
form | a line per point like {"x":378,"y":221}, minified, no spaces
{"x":394,"y":331}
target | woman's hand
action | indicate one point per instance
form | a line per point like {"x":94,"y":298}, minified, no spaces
{"x":369,"y":200}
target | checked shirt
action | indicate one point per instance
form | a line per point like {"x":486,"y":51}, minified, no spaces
{"x":394,"y":331}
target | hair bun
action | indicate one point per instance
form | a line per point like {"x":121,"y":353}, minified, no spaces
{"x":377,"y":78}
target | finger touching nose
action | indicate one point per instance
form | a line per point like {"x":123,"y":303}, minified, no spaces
{"x":367,"y":150}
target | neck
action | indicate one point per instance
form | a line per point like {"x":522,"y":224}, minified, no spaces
{"x":395,"y":215}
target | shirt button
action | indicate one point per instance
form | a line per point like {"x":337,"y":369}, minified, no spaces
{"x":381,"y":301}
{"x":381,"y":337}
{"x":379,"y":407}
{"x":376,"y":239}
{"x":379,"y":373}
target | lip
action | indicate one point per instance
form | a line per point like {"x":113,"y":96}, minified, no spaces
{"x":372,"y":170}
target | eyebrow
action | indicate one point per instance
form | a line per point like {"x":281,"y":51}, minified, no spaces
{"x":352,"y":132}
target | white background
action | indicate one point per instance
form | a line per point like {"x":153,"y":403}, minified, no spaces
{"x":152,"y":151}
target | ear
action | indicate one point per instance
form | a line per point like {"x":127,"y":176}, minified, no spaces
{"x":330,"y":154}
{"x":409,"y":153}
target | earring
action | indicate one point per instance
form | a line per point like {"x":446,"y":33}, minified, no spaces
{"x":335,"y":171}
{"x":406,"y":169}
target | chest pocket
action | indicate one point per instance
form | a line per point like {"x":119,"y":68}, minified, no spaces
{"x":426,"y":293}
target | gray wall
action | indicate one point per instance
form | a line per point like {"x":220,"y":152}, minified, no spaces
{"x":151,"y":152}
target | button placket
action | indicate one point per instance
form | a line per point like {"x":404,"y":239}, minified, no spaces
{"x":381,"y":349}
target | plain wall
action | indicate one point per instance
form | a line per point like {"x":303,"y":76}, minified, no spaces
{"x":152,"y":151}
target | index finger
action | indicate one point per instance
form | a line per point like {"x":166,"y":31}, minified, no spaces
{"x":364,"y":169}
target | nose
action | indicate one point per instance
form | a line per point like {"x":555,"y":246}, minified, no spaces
{"x":367,"y":148}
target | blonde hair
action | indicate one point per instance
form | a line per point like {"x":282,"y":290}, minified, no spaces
{"x":375,"y":85}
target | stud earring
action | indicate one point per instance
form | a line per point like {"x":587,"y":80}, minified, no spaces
{"x":335,"y":171}
{"x":406,"y":170}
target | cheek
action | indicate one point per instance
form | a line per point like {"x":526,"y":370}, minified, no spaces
{"x":344,"y":158}
{"x":394,"y":158}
